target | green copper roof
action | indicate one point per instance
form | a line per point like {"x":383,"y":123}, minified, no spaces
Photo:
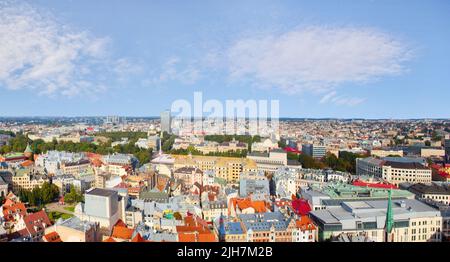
{"x":345,"y":191}
{"x":28,"y":149}
{"x":13,"y":155}
{"x":389,"y":215}
{"x":21,"y":172}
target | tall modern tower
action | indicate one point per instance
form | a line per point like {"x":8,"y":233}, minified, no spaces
{"x":166,"y":121}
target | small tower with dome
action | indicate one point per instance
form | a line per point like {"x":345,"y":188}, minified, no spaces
{"x":28,"y":151}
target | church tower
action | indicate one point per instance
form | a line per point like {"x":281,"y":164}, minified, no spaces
{"x":389,"y":226}
{"x":222,"y":231}
{"x":28,"y":151}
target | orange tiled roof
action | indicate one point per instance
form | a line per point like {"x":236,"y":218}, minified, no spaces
{"x":121,"y":231}
{"x":10,"y":208}
{"x":109,"y":240}
{"x":53,"y":237}
{"x":189,"y":221}
{"x":27,"y":163}
{"x":138,"y":238}
{"x":206,"y":237}
{"x":259,"y":206}
{"x":186,"y":237}
{"x":305,"y":223}
{"x":37,"y":222}
{"x":97,"y":162}
{"x":120,"y":223}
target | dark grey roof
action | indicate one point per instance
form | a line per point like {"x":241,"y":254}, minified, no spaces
{"x":260,"y":154}
{"x":101,"y":192}
{"x":278,"y":150}
{"x":405,"y":165}
{"x":293,"y":162}
{"x":429,"y":189}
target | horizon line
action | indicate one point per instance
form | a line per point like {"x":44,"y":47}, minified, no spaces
{"x":287,"y":118}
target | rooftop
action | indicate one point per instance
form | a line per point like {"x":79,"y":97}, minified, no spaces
{"x":101,"y":192}
{"x":430,"y":189}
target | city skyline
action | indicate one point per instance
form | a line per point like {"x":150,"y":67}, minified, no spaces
{"x":364,"y":60}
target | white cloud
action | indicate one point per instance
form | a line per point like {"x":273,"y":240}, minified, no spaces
{"x":175,"y":70}
{"x":317,"y":60}
{"x":336,"y":99}
{"x":40,"y":53}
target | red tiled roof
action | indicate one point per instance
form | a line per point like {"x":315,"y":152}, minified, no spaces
{"x":301,"y":207}
{"x":52,"y":237}
{"x":259,"y":206}
{"x":27,"y":163}
{"x":37,"y":222}
{"x":121,"y":231}
{"x":120,"y":223}
{"x":10,"y":208}
{"x":186,"y":237}
{"x":305,"y":223}
{"x":138,"y":238}
{"x":109,"y":240}
{"x":292,"y":150}
{"x":373,"y":185}
{"x":206,"y":237}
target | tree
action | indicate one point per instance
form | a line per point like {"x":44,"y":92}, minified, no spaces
{"x":292,"y":156}
{"x":73,"y":196}
{"x":282,"y":143}
{"x":47,"y":193}
{"x":167,"y":143}
{"x":310,"y":162}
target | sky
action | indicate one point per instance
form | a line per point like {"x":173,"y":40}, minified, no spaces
{"x":339,"y":59}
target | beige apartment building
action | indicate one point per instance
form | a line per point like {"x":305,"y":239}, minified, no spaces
{"x":26,"y":179}
{"x":437,"y":193}
{"x":432,"y":152}
{"x":227,"y":168}
{"x":386,"y":153}
{"x":76,"y":168}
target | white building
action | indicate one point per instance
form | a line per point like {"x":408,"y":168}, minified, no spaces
{"x":287,"y":181}
{"x":394,"y":172}
{"x":271,"y":161}
{"x":414,"y":221}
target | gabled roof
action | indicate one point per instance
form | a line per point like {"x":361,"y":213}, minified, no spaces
{"x":37,"y":222}
{"x":138,"y":238}
{"x":121,"y":231}
{"x":305,"y":223}
{"x":109,"y":240}
{"x":53,"y":237}
{"x":120,"y":223}
{"x":186,"y":237}
{"x":10,"y":208}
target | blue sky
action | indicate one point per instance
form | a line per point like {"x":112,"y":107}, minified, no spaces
{"x":369,"y":59}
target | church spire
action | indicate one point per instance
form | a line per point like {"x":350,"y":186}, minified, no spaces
{"x":28,"y":151}
{"x":222,"y":231}
{"x":389,"y":226}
